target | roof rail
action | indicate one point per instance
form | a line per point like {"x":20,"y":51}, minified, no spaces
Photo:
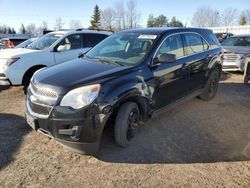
{"x":82,"y":29}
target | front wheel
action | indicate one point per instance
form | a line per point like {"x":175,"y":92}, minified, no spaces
{"x":126,"y":124}
{"x":211,"y":87}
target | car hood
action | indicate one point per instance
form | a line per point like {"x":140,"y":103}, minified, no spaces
{"x":15,"y":52}
{"x":237,"y":49}
{"x":76,"y":73}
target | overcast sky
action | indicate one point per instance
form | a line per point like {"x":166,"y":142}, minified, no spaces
{"x":15,"y":12}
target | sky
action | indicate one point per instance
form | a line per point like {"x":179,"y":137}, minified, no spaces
{"x":15,"y":12}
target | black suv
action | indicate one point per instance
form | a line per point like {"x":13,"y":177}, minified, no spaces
{"x":129,"y":77}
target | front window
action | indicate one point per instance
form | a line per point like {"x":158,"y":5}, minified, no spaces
{"x":237,"y":41}
{"x":44,"y":42}
{"x":126,"y":48}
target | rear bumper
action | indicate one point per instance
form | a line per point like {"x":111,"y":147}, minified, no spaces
{"x":73,"y":129}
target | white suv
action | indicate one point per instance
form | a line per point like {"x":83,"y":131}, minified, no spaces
{"x":18,"y":65}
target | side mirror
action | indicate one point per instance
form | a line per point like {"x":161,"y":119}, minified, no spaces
{"x":61,"y":48}
{"x":166,"y":58}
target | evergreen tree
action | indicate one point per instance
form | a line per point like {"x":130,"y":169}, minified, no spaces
{"x":161,"y":21}
{"x":243,"y":20}
{"x":175,"y":23}
{"x":22,"y":29}
{"x":151,"y":21}
{"x":95,"y":19}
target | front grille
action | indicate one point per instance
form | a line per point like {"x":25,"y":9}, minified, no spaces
{"x":43,"y":91}
{"x":40,"y":109}
{"x":231,"y":57}
{"x":40,"y":100}
{"x":230,"y":67}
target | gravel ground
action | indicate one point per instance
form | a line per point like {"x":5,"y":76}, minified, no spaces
{"x":197,"y":144}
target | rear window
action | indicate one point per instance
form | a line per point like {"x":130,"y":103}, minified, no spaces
{"x":90,"y":40}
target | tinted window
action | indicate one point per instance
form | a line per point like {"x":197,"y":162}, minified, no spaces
{"x":214,"y":43}
{"x":237,"y":41}
{"x":90,"y":40}
{"x":194,"y":43}
{"x":72,"y":42}
{"x":172,"y":45}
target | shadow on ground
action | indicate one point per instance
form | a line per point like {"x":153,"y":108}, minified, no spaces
{"x":12,"y":130}
{"x":195,"y":132}
{"x":2,"y":88}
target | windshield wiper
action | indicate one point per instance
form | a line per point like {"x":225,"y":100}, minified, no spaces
{"x":107,"y":60}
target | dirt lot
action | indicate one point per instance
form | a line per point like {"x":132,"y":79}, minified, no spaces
{"x":198,"y":144}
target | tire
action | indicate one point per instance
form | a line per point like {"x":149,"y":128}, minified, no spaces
{"x":26,"y":80}
{"x":126,"y":124}
{"x":211,"y":87}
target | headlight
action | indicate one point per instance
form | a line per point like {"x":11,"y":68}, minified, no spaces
{"x":8,"y":61}
{"x":80,"y":97}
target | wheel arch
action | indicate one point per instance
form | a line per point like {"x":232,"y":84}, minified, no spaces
{"x":31,"y":70}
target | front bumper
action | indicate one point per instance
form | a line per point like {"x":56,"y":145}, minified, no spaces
{"x":233,"y":66}
{"x":4,"y":81}
{"x":78,"y":130}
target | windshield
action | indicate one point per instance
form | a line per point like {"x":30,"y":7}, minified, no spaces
{"x":25,"y":43}
{"x":123,"y":48}
{"x":237,"y":41}
{"x":44,"y":42}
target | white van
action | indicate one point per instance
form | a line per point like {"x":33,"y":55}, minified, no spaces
{"x":18,"y":65}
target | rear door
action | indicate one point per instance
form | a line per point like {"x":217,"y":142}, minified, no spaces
{"x":73,"y":47}
{"x":196,"y":51}
{"x":171,"y":79}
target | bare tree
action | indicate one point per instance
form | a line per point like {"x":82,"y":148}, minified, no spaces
{"x":58,"y":24}
{"x":107,"y":18}
{"x":74,"y":24}
{"x":229,"y":16}
{"x":120,"y":13}
{"x":133,"y":15}
{"x":31,"y":29}
{"x":206,"y":17}
{"x":44,"y":25}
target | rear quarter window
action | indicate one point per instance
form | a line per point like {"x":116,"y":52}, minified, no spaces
{"x":90,"y":40}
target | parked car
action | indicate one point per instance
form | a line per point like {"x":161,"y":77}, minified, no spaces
{"x":128,"y":78}
{"x":25,"y":43}
{"x":223,"y":36}
{"x":6,"y":43}
{"x":18,"y":65}
{"x":236,"y":50}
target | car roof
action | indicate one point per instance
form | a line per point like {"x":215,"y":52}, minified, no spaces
{"x":63,"y":32}
{"x":162,"y":30}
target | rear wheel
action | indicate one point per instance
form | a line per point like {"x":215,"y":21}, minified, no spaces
{"x":211,"y":86}
{"x":126,"y":124}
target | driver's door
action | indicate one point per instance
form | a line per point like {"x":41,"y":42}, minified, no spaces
{"x":69,"y":48}
{"x":171,"y":79}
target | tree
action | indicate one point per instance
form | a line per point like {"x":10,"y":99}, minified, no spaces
{"x":22,"y":29}
{"x":58,"y":24}
{"x":161,"y":21}
{"x":246,"y":14}
{"x":120,"y":13}
{"x":243,"y":20}
{"x":75,"y":24}
{"x":95,"y":18}
{"x":13,"y":31}
{"x":228,"y":16}
{"x":107,"y":18}
{"x":133,"y":15}
{"x":205,"y":17}
{"x":151,"y":21}
{"x":44,"y":25}
{"x":31,"y":29}
{"x":175,"y":23}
